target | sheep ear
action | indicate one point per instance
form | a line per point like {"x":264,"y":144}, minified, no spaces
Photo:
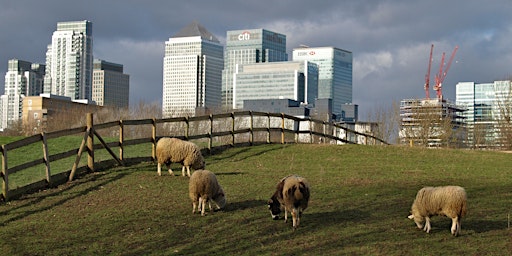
{"x":410,"y":217}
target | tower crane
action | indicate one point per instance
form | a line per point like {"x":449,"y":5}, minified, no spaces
{"x":427,"y":76}
{"x":439,"y":78}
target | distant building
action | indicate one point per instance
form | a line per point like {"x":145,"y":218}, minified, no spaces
{"x":249,"y":46}
{"x":334,"y":73}
{"x":192,"y":66}
{"x":489,"y":113}
{"x":110,"y":86}
{"x":22,"y":79}
{"x":432,"y":123}
{"x":286,"y":106}
{"x":69,"y":61}
{"x":296,"y":80}
{"x":39,"y":110}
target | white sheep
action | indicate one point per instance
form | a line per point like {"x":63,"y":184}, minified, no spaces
{"x":174,"y":150}
{"x":292,"y":193}
{"x":203,"y":188}
{"x":450,"y":201}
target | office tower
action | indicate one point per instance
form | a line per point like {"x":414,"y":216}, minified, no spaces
{"x":69,"y":60}
{"x":22,"y":79}
{"x":487,"y":114}
{"x":334,"y":73}
{"x":249,"y":47}
{"x":192,"y":79}
{"x":294,"y":80}
{"x":110,"y":86}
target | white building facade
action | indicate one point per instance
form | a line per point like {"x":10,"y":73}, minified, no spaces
{"x":192,"y":72}
{"x":22,"y":79}
{"x":69,"y":61}
{"x":334,"y":73}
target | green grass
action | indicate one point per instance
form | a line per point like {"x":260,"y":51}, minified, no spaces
{"x":361,"y":196}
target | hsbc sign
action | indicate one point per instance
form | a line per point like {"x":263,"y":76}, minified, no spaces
{"x":244,"y":36}
{"x":310,"y":53}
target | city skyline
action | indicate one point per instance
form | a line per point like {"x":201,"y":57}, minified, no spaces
{"x":390,"y":40}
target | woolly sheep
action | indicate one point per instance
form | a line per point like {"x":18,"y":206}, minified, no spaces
{"x":203,"y":188}
{"x":174,"y":150}
{"x":450,"y":201}
{"x":292,"y":194}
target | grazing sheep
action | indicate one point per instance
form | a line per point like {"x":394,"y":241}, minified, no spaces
{"x":292,"y":194}
{"x":204,"y":187}
{"x":450,"y":201}
{"x":174,"y":150}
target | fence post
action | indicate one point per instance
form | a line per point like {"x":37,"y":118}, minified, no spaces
{"x":268,"y":128}
{"x":153,"y":140}
{"x":232,"y":129}
{"x":251,"y":135}
{"x":310,"y":131}
{"x":90,"y":142}
{"x":45,"y":158}
{"x":210,"y":140}
{"x":121,"y":140}
{"x":5,"y":175}
{"x":282,"y":128}
{"x":187,"y":123}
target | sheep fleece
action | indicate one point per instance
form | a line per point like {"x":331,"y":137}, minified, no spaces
{"x":174,"y":150}
{"x":450,"y":201}
{"x":204,"y":187}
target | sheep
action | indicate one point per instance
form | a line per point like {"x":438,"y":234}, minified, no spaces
{"x":203,"y":188}
{"x":450,"y":201}
{"x":174,"y":150}
{"x":292,"y":193}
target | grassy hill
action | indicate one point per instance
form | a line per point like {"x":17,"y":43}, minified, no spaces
{"x":361,"y":196}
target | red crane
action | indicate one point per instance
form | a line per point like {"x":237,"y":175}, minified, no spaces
{"x":427,"y":76}
{"x":438,"y":87}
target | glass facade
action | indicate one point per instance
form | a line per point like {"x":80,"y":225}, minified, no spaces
{"x":488,"y":111}
{"x":280,"y":80}
{"x":249,"y":47}
{"x":334,"y":73}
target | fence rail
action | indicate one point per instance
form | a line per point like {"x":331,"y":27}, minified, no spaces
{"x":276,"y":128}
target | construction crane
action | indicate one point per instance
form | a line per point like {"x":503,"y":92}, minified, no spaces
{"x":427,"y":76}
{"x":441,"y":75}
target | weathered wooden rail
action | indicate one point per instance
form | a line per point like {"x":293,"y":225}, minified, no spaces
{"x":238,"y":127}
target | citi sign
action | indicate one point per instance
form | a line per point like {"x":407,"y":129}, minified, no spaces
{"x":244,"y":36}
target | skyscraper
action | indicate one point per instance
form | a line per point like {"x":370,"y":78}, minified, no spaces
{"x":193,"y":64}
{"x":69,"y":60}
{"x":22,"y":79}
{"x":334,"y":73}
{"x":110,"y":86}
{"x":249,"y":47}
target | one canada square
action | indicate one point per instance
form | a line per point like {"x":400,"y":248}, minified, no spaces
{"x":192,"y":69}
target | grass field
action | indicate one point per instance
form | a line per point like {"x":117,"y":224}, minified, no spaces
{"x":361,"y":196}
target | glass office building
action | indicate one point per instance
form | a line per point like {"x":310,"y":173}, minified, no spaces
{"x":69,"y":61}
{"x":248,"y":47}
{"x":488,"y":112}
{"x":192,"y":70}
{"x":110,"y":86}
{"x":297,"y":80}
{"x":334,"y":73}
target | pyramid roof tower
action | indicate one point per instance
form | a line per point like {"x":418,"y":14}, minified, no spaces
{"x":196,"y":29}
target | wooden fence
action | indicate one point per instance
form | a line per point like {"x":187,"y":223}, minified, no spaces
{"x":220,"y":130}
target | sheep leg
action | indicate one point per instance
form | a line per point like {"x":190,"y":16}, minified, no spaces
{"x":195,"y":204}
{"x":427,"y":225}
{"x":455,"y":226}
{"x":188,"y":171}
{"x":295,"y":217}
{"x":285,"y":215}
{"x":183,"y":171}
{"x":203,"y":205}
{"x":159,"y":169}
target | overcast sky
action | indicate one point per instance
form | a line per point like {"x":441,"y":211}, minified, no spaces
{"x":390,"y":40}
